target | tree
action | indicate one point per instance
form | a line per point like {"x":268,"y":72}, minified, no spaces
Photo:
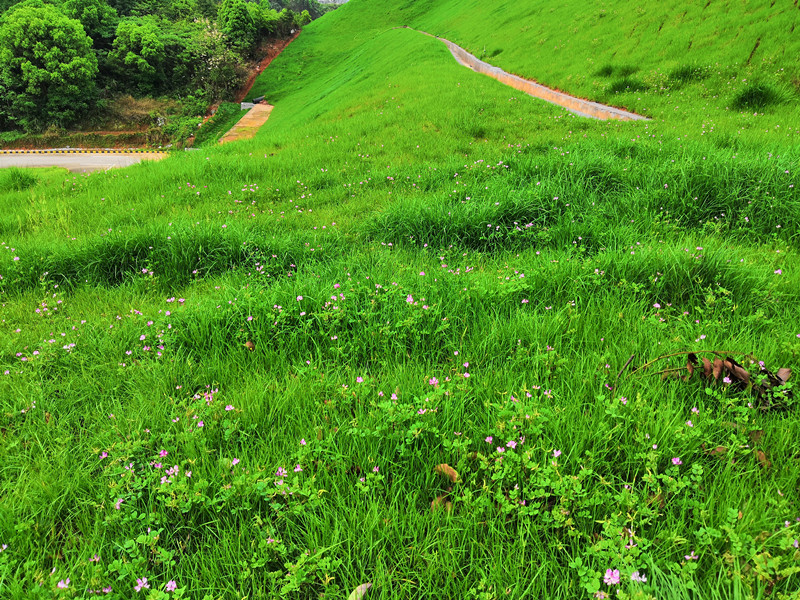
{"x":47,"y":66}
{"x":236,"y":24}
{"x":138,"y":54}
{"x":99,"y":20}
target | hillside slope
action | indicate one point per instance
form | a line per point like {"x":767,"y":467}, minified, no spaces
{"x":422,"y":332}
{"x":704,"y":65}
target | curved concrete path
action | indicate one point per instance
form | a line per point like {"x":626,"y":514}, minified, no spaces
{"x":579,"y":106}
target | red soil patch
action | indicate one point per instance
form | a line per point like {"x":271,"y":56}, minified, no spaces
{"x":273,"y":50}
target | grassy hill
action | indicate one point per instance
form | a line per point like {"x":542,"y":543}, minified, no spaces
{"x":234,"y":373}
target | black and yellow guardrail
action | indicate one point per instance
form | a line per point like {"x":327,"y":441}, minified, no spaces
{"x":87,"y":151}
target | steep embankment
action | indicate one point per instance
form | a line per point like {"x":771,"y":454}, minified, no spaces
{"x":710,"y":66}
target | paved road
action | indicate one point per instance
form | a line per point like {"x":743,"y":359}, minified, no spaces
{"x":78,"y":163}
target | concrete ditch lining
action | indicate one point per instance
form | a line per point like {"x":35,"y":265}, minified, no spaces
{"x":579,"y":106}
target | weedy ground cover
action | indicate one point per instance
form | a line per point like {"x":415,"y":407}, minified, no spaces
{"x":237,"y":372}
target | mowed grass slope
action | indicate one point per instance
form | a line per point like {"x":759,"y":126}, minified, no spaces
{"x":233,"y":373}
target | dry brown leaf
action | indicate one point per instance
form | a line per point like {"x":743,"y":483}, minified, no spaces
{"x":691,"y":363}
{"x":740,"y":515}
{"x":707,"y":369}
{"x":718,"y":451}
{"x":784,"y":374}
{"x":441,"y":501}
{"x":359,"y":592}
{"x":250,"y":345}
{"x":756,"y":435}
{"x":717,"y":371}
{"x":447,"y":471}
{"x":762,"y":459}
{"x":736,"y":370}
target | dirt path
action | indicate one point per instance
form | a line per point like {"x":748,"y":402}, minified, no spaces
{"x":579,"y":106}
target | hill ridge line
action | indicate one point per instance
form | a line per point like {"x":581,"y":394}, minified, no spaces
{"x":578,"y":106}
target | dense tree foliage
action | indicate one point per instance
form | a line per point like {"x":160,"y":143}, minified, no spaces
{"x":47,"y":67}
{"x":99,"y":20}
{"x":237,"y":24}
{"x":138,"y":54}
{"x":55,"y":55}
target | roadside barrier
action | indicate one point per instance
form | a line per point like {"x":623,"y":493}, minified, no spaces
{"x":86,"y":151}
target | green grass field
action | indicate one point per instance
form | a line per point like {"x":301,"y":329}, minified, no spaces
{"x":235,"y":373}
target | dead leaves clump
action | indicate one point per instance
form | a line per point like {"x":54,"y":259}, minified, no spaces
{"x":723,"y":368}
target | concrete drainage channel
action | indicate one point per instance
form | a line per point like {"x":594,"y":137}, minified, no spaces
{"x":583,"y":108}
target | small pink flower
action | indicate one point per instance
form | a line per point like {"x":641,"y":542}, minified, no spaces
{"x":303,"y":442}
{"x":103,"y":455}
{"x":611,"y":577}
{"x":200,"y":424}
{"x":171,"y":585}
{"x":163,"y":453}
{"x":234,"y":462}
{"x":298,"y":469}
{"x":63,"y":584}
{"x":489,"y":439}
{"x":677,"y":461}
{"x":141,"y":584}
{"x":556,"y":453}
{"x":691,"y":556}
{"x":229,"y":407}
{"x":359,"y":380}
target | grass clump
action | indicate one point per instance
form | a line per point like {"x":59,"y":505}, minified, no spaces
{"x":15,"y":179}
{"x":758,"y":97}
